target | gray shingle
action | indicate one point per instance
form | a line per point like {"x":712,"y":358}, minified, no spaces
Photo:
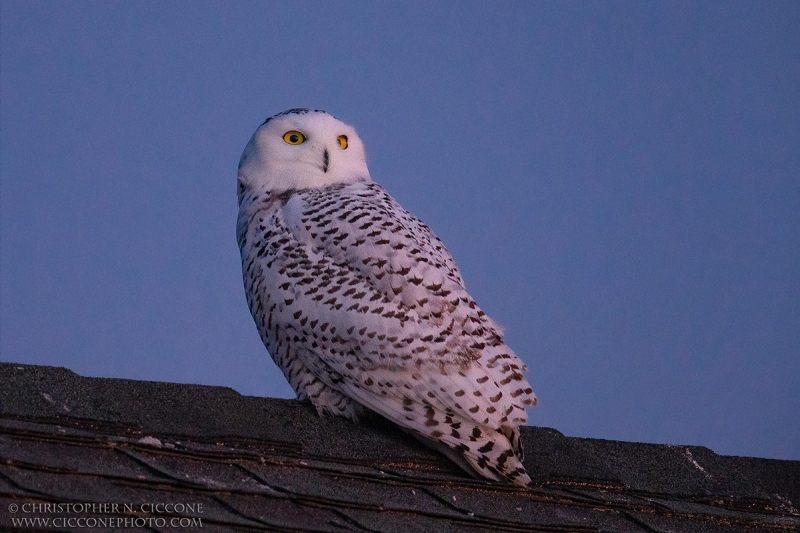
{"x":266,"y":464}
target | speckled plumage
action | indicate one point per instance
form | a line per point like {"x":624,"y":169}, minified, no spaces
{"x":360,"y":304}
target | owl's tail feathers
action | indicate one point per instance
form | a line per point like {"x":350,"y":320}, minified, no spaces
{"x":499,"y":455}
{"x":512,"y":434}
{"x":479,"y":448}
{"x":496,"y":455}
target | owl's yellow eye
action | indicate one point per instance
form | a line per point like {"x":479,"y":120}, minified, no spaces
{"x":294,"y":137}
{"x":342,"y":140}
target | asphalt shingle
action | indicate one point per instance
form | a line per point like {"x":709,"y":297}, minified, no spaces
{"x":266,"y":464}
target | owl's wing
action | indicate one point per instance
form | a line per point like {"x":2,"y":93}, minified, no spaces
{"x":403,"y":269}
{"x":362,"y":226}
{"x":377,"y":310}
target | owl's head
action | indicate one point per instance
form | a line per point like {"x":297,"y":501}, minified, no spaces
{"x":301,"y":149}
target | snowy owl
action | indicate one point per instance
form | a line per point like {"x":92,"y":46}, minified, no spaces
{"x":362,"y":307}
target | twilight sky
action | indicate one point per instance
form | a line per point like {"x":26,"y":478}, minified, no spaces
{"x":618,"y":182}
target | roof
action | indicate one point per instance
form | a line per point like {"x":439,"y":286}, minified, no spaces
{"x":245,"y":463}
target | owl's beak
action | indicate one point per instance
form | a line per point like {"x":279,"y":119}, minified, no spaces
{"x":325,"y":161}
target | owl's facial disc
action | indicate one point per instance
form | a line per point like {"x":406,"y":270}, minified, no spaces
{"x":302,"y":149}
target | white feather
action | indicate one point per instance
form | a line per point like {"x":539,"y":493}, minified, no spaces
{"x":361,"y":305}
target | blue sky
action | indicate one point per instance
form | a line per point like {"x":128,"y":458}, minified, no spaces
{"x":618,"y":182}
